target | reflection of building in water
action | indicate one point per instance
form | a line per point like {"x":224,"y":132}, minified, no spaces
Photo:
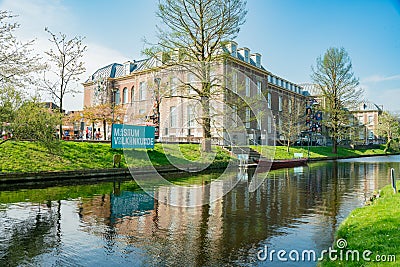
{"x":232,"y":227}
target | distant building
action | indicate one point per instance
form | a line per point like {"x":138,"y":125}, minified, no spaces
{"x":363,"y":119}
{"x":367,"y":115}
{"x":134,"y":83}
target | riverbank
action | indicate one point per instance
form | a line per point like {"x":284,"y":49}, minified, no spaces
{"x":375,"y":228}
{"x":320,"y":152}
{"x":22,"y":157}
{"x":29,"y":161}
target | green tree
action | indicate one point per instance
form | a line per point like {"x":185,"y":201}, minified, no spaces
{"x":10,"y":100}
{"x":67,"y":66}
{"x":334,"y":76}
{"x":389,"y":128}
{"x":36,"y":123}
{"x":190,"y":37}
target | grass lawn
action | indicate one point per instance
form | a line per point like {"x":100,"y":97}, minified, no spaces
{"x":319,"y":151}
{"x":31,"y":157}
{"x":375,"y":228}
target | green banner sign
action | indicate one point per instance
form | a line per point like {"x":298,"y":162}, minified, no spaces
{"x":131,"y":136}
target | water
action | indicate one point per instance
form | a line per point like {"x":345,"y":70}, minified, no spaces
{"x":116,"y":224}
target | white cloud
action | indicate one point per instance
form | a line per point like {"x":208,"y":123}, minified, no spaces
{"x":380,"y":78}
{"x":386,"y":97}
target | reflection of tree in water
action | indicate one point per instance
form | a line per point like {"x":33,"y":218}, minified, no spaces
{"x":30,"y":237}
{"x":232,"y":228}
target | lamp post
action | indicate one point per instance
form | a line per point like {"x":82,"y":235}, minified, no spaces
{"x":156,"y":109}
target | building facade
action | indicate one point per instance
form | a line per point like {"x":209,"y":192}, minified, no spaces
{"x":166,"y":97}
{"x":366,"y":117}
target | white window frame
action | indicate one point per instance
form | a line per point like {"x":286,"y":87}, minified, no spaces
{"x":247,"y":86}
{"x":269,"y":100}
{"x":142,"y":90}
{"x":259,"y":87}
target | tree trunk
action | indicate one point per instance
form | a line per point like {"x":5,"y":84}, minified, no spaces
{"x":104,"y":130}
{"x":61,"y":115}
{"x":334,"y":145}
{"x":387,"y":147}
{"x":288,"y":146}
{"x":206,"y":124}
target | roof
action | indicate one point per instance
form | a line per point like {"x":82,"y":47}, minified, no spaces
{"x":368,"y":106}
{"x":110,"y":71}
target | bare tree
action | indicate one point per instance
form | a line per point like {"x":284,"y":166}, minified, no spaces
{"x":66,"y":68}
{"x":17,"y":62}
{"x":292,"y":123}
{"x":334,"y":76}
{"x":191,"y":37}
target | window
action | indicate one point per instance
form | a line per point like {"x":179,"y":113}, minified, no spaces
{"x":269,"y":100}
{"x":371,"y":134}
{"x":235,"y":116}
{"x":234,"y":48}
{"x":247,"y":117}
{"x":361,"y":119}
{"x":280,"y":103}
{"x":280,"y":124}
{"x":247,"y":86}
{"x":141,"y":112}
{"x":259,"y":87}
{"x":246,"y":55}
{"x":132,"y":94}
{"x":172,"y":117}
{"x":269,"y":79}
{"x":234,"y":81}
{"x":258,"y":60}
{"x":142,"y":91}
{"x":269,"y":124}
{"x":290,"y":106}
{"x":370,"y":119}
{"x":190,"y":117}
{"x":117,"y":97}
{"x":125,"y":97}
{"x":174,"y":83}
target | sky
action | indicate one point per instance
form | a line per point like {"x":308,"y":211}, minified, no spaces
{"x":289,"y":34}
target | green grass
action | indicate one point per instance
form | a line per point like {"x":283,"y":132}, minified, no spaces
{"x":375,"y":227}
{"x":318,"y":151}
{"x":31,"y":157}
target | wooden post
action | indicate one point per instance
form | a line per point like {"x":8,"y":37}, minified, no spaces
{"x":393,"y":180}
{"x":117,"y":160}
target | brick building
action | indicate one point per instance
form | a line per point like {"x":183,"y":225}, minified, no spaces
{"x":142,"y":85}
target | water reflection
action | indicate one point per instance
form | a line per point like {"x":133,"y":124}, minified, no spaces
{"x":293,"y":209}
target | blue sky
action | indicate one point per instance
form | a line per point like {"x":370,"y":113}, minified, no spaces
{"x":290,"y":35}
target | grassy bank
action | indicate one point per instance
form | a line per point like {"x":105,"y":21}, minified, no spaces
{"x":31,"y":157}
{"x":376,"y":228}
{"x":320,"y":152}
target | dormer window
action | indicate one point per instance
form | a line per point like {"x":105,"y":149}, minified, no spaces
{"x":246,"y":55}
{"x":233,"y":49}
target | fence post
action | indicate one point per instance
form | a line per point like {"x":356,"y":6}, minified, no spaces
{"x":393,"y":180}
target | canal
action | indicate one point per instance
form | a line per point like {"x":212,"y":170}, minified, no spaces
{"x":114,"y":223}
